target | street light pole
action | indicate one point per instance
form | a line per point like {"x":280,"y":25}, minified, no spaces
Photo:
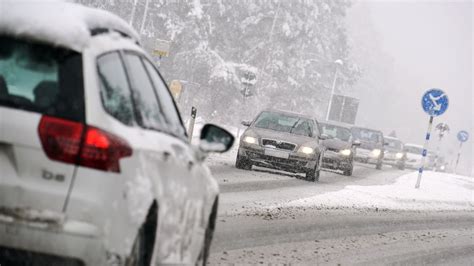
{"x":338,"y":62}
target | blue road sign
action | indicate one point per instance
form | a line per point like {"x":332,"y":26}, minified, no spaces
{"x":463,"y":136}
{"x":435,"y":102}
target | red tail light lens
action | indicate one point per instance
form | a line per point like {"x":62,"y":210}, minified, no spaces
{"x":103,"y":150}
{"x":61,"y":140}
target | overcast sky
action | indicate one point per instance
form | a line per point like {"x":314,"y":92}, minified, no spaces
{"x":431,"y":44}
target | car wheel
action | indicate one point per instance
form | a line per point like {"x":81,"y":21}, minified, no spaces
{"x":349,"y":170}
{"x":313,"y":174}
{"x":204,"y":255}
{"x":401,"y":167}
{"x":378,"y":166}
{"x":142,"y":250}
{"x":242,"y":163}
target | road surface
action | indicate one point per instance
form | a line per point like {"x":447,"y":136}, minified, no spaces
{"x":249,"y":232}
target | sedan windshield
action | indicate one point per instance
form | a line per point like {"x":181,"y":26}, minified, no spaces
{"x":394,"y":144}
{"x":413,"y":149}
{"x":367,"y":135}
{"x":285,"y":123}
{"x":336,"y":132}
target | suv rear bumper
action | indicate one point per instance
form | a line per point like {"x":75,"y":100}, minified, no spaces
{"x":73,"y":243}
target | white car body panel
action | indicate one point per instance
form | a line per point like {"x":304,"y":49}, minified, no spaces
{"x":111,"y":205}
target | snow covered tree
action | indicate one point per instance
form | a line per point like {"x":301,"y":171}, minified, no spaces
{"x":291,"y":44}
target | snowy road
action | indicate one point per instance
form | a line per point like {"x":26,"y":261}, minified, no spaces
{"x":250,"y":229}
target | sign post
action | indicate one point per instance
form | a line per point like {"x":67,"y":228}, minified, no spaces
{"x":442,"y":128}
{"x":191,"y":123}
{"x":434,"y":103}
{"x":162,"y":48}
{"x":463,"y":136}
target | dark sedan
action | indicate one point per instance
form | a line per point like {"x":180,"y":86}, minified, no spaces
{"x":340,"y":147}
{"x":371,"y":150}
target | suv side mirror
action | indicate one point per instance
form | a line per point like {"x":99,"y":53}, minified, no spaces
{"x":215,"y":139}
{"x":246,"y":123}
{"x":356,"y":143}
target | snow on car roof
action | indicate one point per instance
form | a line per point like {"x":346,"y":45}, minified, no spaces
{"x":57,"y":22}
{"x":413,"y":145}
{"x":336,"y":123}
{"x":288,"y":113}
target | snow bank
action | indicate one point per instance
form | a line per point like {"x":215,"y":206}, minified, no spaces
{"x":439,"y":191}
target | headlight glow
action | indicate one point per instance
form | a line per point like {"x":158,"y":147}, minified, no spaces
{"x":346,"y":152}
{"x":250,"y":140}
{"x":306,"y":150}
{"x":399,"y":155}
{"x":376,"y":152}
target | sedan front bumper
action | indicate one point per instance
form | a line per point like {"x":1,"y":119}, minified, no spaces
{"x":336,"y":161}
{"x":366,"y":156}
{"x":289,"y":161}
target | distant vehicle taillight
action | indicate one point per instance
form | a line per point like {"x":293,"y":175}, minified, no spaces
{"x":61,"y":140}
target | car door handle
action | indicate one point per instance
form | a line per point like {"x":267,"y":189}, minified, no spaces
{"x":190,"y":165}
{"x":166,"y":155}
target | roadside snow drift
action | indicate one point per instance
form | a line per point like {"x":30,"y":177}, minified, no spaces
{"x":438,"y":191}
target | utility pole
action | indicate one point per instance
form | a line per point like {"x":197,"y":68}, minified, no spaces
{"x":338,"y":63}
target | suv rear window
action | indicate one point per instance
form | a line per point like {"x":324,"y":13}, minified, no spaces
{"x":41,"y":78}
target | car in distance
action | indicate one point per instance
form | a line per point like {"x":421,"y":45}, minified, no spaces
{"x":371,"y":149}
{"x":414,"y":155}
{"x":394,"y":153}
{"x":340,"y":147}
{"x":281,"y":140}
{"x":96,"y":168}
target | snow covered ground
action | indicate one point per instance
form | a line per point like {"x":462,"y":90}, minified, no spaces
{"x":438,"y":191}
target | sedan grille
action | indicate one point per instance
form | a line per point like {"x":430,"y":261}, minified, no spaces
{"x":279,"y":144}
{"x":332,"y":149}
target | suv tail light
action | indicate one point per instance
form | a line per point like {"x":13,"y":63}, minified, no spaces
{"x":76,"y":143}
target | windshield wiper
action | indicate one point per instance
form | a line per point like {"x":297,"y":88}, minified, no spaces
{"x":294,"y":125}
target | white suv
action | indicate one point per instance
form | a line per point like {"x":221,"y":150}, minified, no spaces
{"x":95,"y":165}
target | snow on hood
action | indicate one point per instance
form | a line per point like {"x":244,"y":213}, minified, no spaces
{"x":57,"y":22}
{"x":336,"y":144}
{"x":211,"y":146}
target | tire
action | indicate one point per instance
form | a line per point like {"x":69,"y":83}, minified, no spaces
{"x":243,"y":163}
{"x":401,"y":167}
{"x":206,"y":247}
{"x":313,"y":174}
{"x":142,"y":251}
{"x":348,"y":171}
{"x":378,"y":166}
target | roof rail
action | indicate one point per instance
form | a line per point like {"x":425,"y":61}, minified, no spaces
{"x":100,"y":31}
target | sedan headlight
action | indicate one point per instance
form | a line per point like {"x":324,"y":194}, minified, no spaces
{"x":250,"y":140}
{"x":376,"y":152}
{"x":306,"y":150}
{"x":346,"y":152}
{"x":399,"y":155}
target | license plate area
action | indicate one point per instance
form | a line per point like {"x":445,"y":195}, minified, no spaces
{"x":277,"y":153}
